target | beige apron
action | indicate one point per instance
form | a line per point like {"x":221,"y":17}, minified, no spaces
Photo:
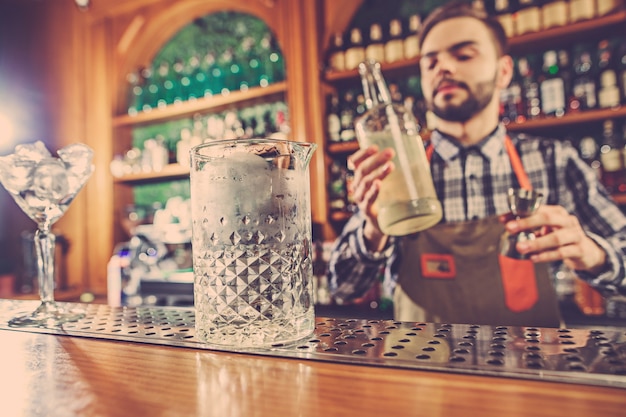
{"x":460,"y":276}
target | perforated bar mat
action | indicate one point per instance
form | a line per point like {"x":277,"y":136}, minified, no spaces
{"x":583,"y":356}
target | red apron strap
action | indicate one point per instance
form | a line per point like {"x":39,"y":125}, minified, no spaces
{"x":516,"y":163}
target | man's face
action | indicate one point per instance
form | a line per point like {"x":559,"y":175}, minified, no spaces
{"x":459,"y":68}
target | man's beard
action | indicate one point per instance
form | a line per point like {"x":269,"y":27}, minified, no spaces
{"x":476,"y":101}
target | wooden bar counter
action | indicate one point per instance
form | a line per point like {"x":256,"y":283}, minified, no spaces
{"x":45,"y":374}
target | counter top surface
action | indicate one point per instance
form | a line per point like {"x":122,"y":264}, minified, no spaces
{"x":57,"y":374}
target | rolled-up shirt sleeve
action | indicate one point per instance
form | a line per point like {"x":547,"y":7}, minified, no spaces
{"x":353,"y":269}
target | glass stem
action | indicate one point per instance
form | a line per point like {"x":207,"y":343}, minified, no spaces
{"x":44,"y":247}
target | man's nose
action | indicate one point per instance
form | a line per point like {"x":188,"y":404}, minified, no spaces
{"x":446,"y":64}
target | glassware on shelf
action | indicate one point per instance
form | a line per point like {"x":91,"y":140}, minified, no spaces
{"x":44,"y":186}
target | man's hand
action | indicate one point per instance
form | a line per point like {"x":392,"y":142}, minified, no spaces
{"x":371,"y":166}
{"x":559,"y":237}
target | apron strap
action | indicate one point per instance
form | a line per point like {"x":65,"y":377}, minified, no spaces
{"x":516,"y":162}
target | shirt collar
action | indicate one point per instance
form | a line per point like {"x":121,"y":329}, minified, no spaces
{"x":448,"y":148}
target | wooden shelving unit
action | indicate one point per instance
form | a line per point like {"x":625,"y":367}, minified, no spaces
{"x":569,"y":119}
{"x":203,"y":105}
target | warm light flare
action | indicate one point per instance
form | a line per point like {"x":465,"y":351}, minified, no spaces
{"x":7,"y":134}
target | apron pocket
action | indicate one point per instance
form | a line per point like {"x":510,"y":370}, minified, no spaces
{"x":519,"y":283}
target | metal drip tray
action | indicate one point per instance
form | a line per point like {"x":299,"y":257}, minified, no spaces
{"x":584,"y":356}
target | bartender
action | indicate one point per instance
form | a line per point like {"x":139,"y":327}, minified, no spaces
{"x":474,"y":162}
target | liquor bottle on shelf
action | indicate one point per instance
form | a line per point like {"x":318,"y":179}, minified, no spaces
{"x":135,"y":93}
{"x":161,"y":78}
{"x":150,"y":89}
{"x":177,"y":74}
{"x":394,"y":46}
{"x":605,"y":7}
{"x":530,"y":87}
{"x":608,"y":91}
{"x":411,"y":42}
{"x":512,"y":103}
{"x":355,"y":51}
{"x":528,"y":17}
{"x":590,"y":153}
{"x":271,"y":59}
{"x":375,"y":48}
{"x":347,"y":116}
{"x":621,"y":71}
{"x":204,"y":78}
{"x":190,"y":88}
{"x":333,"y":119}
{"x":581,"y":10}
{"x":551,"y":86}
{"x":244,"y":53}
{"x":336,"y":53}
{"x":225,"y":61}
{"x":337,"y":187}
{"x":567,"y":74}
{"x":351,"y":205}
{"x":277,"y":60}
{"x":503,"y":10}
{"x":612,"y":159}
{"x":554,"y":13}
{"x":361,"y":107}
{"x":584,"y":86}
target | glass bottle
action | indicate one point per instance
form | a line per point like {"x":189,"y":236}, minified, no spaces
{"x":135,"y":91}
{"x":604,"y":7}
{"x":584,"y":86}
{"x":150,"y":89}
{"x":394,"y":47}
{"x":407,"y":201}
{"x":590,"y":153}
{"x":567,"y":75}
{"x":161,"y":77}
{"x":608,"y":91}
{"x":333,"y":120}
{"x":530,"y":88}
{"x":205,"y":78}
{"x":177,"y":73}
{"x":347,"y":115}
{"x":528,"y":17}
{"x":375,"y":49}
{"x":581,"y":10}
{"x":191,"y":91}
{"x":621,"y":71}
{"x":503,"y":11}
{"x":355,"y":51}
{"x":554,"y":14}
{"x":612,"y":159}
{"x":336,"y":54}
{"x":551,"y":86}
{"x":277,"y":60}
{"x":411,"y":41}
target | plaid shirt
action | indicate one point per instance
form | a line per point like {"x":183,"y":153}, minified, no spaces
{"x":471,"y":184}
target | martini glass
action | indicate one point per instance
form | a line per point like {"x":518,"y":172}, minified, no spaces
{"x":522,"y":203}
{"x":44,"y":186}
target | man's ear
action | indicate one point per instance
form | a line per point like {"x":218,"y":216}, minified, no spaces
{"x":505,"y":71}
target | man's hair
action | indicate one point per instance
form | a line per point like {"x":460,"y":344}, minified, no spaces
{"x":457,"y":9}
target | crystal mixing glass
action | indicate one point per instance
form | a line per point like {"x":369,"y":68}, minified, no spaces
{"x":44,"y":186}
{"x":251,"y":215}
